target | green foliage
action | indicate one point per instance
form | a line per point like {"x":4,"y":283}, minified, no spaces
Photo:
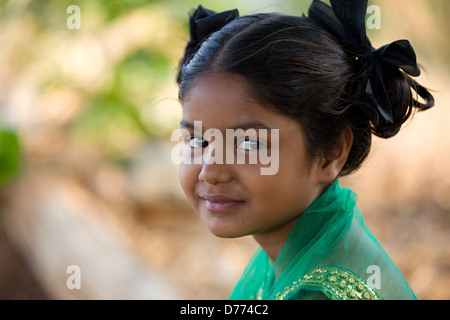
{"x":116,"y":8}
{"x":9,"y":155}
{"x":112,"y":118}
{"x":139,"y":75}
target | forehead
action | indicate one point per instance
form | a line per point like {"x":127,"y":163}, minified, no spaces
{"x":222,"y":100}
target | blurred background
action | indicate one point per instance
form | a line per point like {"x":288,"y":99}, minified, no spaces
{"x":86,"y":177}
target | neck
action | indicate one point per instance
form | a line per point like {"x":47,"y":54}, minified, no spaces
{"x":273,"y":240}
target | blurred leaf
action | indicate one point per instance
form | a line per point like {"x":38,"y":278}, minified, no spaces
{"x":139,"y":75}
{"x":115,"y":8}
{"x":9,"y":155}
{"x":112,"y":118}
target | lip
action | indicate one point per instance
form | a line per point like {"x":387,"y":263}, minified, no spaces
{"x":220,"y":203}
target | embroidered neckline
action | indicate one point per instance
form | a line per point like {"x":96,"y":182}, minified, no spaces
{"x":335,"y":282}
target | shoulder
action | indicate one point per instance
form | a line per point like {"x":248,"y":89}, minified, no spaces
{"x":335,"y":283}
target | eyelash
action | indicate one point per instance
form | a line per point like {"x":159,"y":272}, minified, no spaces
{"x":189,"y":140}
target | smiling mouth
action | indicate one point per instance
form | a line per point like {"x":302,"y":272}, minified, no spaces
{"x":220,"y":204}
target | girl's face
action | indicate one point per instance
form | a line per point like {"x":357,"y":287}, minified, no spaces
{"x":235,"y":199}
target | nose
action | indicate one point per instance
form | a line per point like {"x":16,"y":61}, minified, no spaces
{"x":214,"y":170}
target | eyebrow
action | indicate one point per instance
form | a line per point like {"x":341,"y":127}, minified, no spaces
{"x":244,"y":126}
{"x":185,"y":124}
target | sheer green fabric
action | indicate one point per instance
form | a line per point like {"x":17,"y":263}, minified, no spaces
{"x":331,"y":242}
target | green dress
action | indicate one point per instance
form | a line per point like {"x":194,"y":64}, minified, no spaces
{"x":331,"y":254}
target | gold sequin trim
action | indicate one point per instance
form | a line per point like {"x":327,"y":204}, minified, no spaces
{"x":335,"y":282}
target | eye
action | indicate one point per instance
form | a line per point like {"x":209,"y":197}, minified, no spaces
{"x":249,"y":144}
{"x":196,"y":142}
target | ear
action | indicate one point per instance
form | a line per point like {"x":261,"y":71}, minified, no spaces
{"x":335,"y":159}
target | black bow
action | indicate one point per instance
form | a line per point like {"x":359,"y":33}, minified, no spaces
{"x":345,"y":19}
{"x":203,"y":22}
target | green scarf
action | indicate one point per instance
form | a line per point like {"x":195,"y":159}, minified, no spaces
{"x":330,"y":253}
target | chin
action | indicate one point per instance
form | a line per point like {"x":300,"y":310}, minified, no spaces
{"x":226,"y":232}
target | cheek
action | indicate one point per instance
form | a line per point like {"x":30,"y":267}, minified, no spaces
{"x":188,"y":175}
{"x":277,"y":190}
{"x":291,"y":186}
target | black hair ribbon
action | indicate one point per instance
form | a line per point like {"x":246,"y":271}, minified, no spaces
{"x":203,"y":22}
{"x":345,"y":19}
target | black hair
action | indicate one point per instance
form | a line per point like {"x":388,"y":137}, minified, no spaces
{"x":296,"y":68}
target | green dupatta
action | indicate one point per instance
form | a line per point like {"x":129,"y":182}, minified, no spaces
{"x":330,"y":253}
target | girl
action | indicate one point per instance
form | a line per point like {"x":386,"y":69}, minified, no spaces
{"x":318,"y":82}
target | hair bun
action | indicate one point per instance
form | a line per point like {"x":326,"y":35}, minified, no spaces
{"x":404,"y":94}
{"x":383,"y":89}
